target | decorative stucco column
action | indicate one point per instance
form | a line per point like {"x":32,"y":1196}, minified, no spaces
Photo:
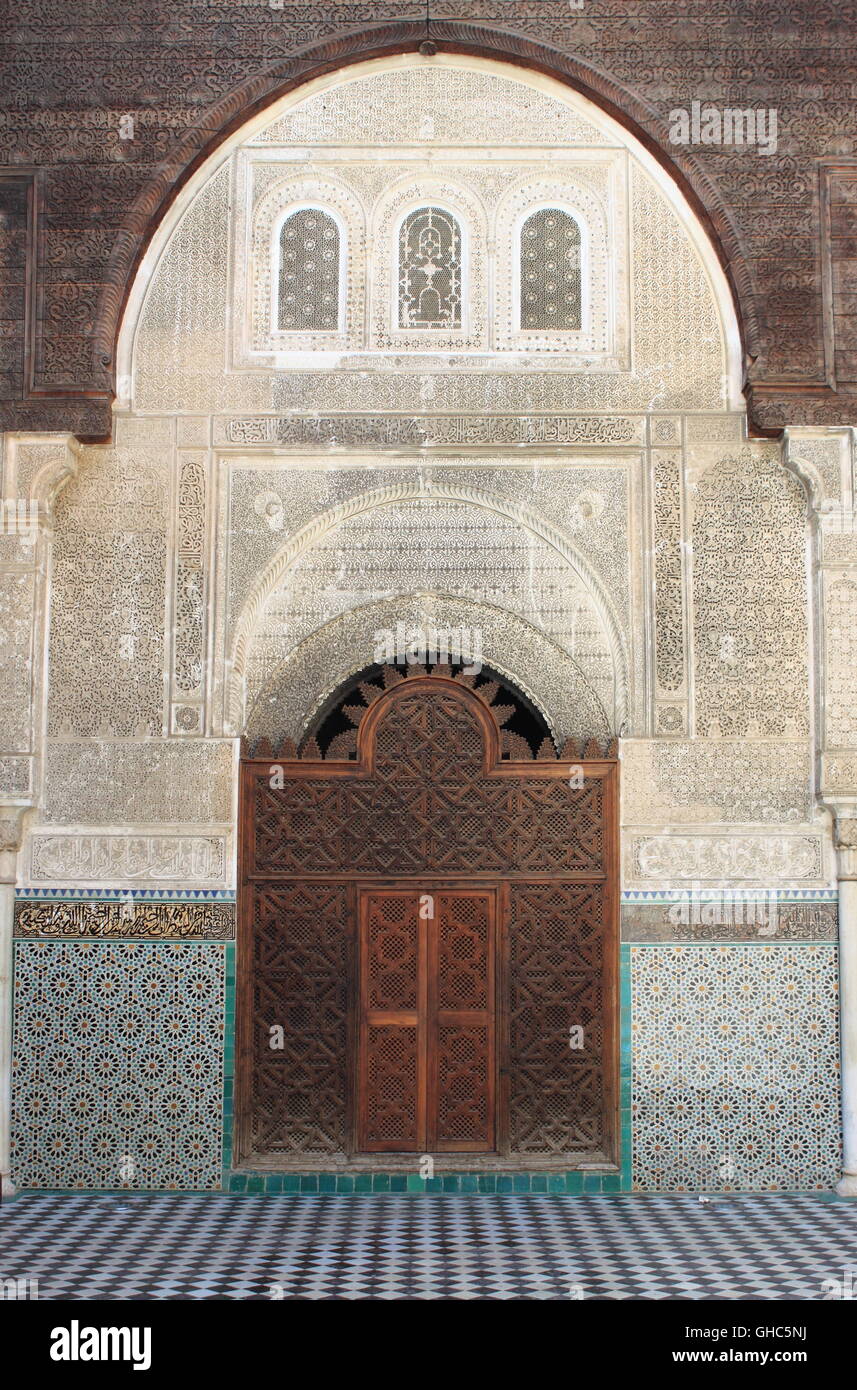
{"x":33,"y":468}
{"x":846,"y":869}
{"x":10,"y":842}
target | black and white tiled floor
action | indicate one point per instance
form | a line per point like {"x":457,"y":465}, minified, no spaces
{"x":166,"y":1247}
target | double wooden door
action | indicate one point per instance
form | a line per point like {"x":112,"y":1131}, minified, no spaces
{"x":427,"y":955}
{"x":427,"y":1053}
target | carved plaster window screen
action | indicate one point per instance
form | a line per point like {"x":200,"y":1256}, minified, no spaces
{"x":561,"y":271}
{"x":299,"y":270}
{"x":430,"y":270}
{"x":550,"y":272}
{"x":310,"y":249}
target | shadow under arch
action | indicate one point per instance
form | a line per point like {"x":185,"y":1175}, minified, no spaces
{"x":524,"y":516}
{"x":291,"y":699}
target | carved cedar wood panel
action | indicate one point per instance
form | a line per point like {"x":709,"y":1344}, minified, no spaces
{"x":426,"y":1047}
{"x":426,"y":924}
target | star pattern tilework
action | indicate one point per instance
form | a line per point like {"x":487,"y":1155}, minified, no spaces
{"x":118,"y":1064}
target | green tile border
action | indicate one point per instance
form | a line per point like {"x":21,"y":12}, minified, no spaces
{"x":457,"y":1184}
{"x":228,"y":1057}
{"x":626,"y":1135}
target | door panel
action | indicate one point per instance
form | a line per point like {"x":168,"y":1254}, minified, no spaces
{"x":426,"y":1074}
{"x":391,"y":1106}
{"x":462,"y":994}
{"x":392,"y":1088}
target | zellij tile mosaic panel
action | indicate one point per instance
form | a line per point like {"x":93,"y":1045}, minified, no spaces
{"x":118,"y":1064}
{"x":735,"y":1067}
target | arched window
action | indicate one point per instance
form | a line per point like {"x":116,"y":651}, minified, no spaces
{"x":550,"y":272}
{"x":309,"y":273}
{"x":430,"y":270}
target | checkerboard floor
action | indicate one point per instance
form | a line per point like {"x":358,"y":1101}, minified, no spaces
{"x":139,"y":1247}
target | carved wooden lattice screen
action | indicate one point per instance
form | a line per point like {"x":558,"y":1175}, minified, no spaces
{"x":365,"y":1026}
{"x":427,"y":1005}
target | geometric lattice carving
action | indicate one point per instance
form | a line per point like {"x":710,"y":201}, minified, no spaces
{"x":300,"y":957}
{"x":309,"y":272}
{"x":557,"y":969}
{"x":430,"y":270}
{"x":524,"y":732}
{"x":464,"y":1044}
{"x":427,"y":1033}
{"x":462,"y":939}
{"x":392,"y":1069}
{"x":433,"y":293}
{"x":118,"y":1070}
{"x":543,"y":303}
{"x":735,"y":1067}
{"x":298,"y":267}
{"x":428,"y":794}
{"x":750,"y":601}
{"x":429,"y":808}
{"x":550,"y":271}
{"x":393,"y":1025}
{"x":463,"y":1087}
{"x":392,"y":951}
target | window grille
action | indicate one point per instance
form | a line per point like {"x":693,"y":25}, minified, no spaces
{"x":309,"y":272}
{"x":550,"y":271}
{"x":430,"y":270}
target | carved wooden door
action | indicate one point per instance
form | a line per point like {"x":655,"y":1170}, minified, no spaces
{"x":427,"y":993}
{"x":485,"y":1026}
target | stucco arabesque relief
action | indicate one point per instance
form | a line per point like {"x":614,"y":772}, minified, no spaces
{"x":758,"y":857}
{"x":665,"y":662}
{"x":452,"y":538}
{"x":826,"y":462}
{"x":33,"y":469}
{"x":752,"y":853}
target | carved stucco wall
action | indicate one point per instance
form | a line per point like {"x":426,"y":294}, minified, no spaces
{"x":594,"y":507}
{"x":455,"y":538}
{"x":269,"y":503}
{"x":183,"y":71}
{"x":211,"y":299}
